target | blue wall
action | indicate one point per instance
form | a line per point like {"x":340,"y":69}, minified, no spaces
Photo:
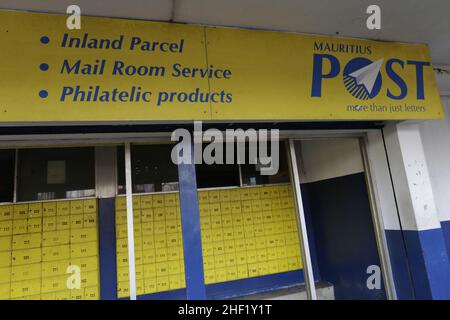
{"x":343,"y":230}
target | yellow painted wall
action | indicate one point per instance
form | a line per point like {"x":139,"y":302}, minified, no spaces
{"x":39,"y":241}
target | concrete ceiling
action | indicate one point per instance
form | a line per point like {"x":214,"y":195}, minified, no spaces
{"x":416,"y":21}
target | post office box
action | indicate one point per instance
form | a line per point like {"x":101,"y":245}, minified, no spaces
{"x":92,"y":293}
{"x":52,"y":238}
{"x":6,"y":228}
{"x":171,"y":213}
{"x":210,"y":276}
{"x":216,"y":222}
{"x":208,"y":262}
{"x":5,"y":289}
{"x":263,"y":269}
{"x":170,"y":199}
{"x":20,"y":211}
{"x":149,"y":270}
{"x":214,"y":196}
{"x":49,"y":224}
{"x":34,"y":225}
{"x":282,"y":265}
{"x":161,"y":255}
{"x":253,"y":270}
{"x":224,"y":195}
{"x":49,"y":209}
{"x":6,"y":212}
{"x":174,"y":282}
{"x":5,"y":243}
{"x":123,"y":289}
{"x":255,"y":193}
{"x":227,"y":220}
{"x":162,"y":269}
{"x":173,"y":253}
{"x":172,"y":239}
{"x":5,"y":274}
{"x":54,"y":284}
{"x":221,"y":274}
{"x":275,"y":204}
{"x":240,"y":244}
{"x":235,"y":195}
{"x":90,"y":278}
{"x":231,"y":273}
{"x":220,"y":261}
{"x":62,"y":295}
{"x":162,"y":283}
{"x":25,"y":288}
{"x":146,"y":201}
{"x":54,"y":268}
{"x":149,"y":256}
{"x":205,"y":222}
{"x":136,"y":202}
{"x":250,"y":244}
{"x":203,"y":197}
{"x":159,"y":227}
{"x":121,"y":203}
{"x":26,"y":241}
{"x":159,"y":214}
{"x":148,"y":242}
{"x":228,"y":234}
{"x":85,"y":249}
{"x":89,"y":205}
{"x":215,"y":209}
{"x":225,"y":207}
{"x":236,"y":207}
{"x":26,"y":272}
{"x":77,"y":294}
{"x":20,"y":226}
{"x":55,"y":253}
{"x":150,"y":285}
{"x":86,"y":263}
{"x":62,"y":208}
{"x":63,"y":222}
{"x":285,"y":203}
{"x":35,"y":210}
{"x":257,"y":218}
{"x":90,"y":220}
{"x":229,"y":246}
{"x":242,"y":271}
{"x":247,"y":206}
{"x":256,"y":206}
{"x":237,"y":219}
{"x":171,"y":226}
{"x":146,"y":215}
{"x":265,"y":193}
{"x":76,"y":221}
{"x":248,"y":220}
{"x":266,"y":204}
{"x":158,"y":201}
{"x":241,"y":257}
{"x":160,"y":240}
{"x":19,"y":257}
{"x":245,"y":194}
{"x":76,"y":207}
{"x":208,"y":249}
{"x":83,"y":235}
{"x":230,"y":259}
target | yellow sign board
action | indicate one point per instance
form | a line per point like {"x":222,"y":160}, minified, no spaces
{"x":125,"y":70}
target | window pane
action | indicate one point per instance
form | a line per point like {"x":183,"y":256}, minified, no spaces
{"x":252,"y":176}
{"x":7,"y":175}
{"x":56,"y":173}
{"x":152,"y":169}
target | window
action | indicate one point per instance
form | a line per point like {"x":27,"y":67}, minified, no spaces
{"x":152,"y":169}
{"x":56,"y":173}
{"x":7,"y":158}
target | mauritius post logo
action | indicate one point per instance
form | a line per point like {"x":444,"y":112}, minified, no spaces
{"x":362,"y":77}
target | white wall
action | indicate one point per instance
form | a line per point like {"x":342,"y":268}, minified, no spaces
{"x":325,"y":159}
{"x":436,"y":143}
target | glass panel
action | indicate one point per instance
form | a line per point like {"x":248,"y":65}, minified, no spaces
{"x":7,"y":158}
{"x":152,"y":169}
{"x":56,"y":173}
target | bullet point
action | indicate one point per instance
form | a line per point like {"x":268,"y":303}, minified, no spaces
{"x":43,"y":66}
{"x":43,"y":94}
{"x":45,"y":40}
